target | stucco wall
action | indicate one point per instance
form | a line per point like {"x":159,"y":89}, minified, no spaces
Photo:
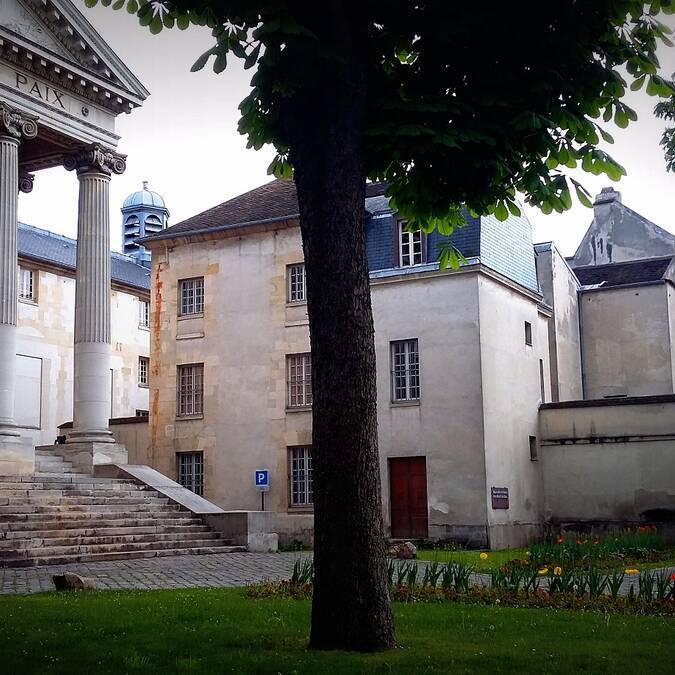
{"x":611,"y":463}
{"x":45,"y":332}
{"x":626,"y":341}
{"x":446,"y":426}
{"x":511,"y":396}
{"x":559,"y":287}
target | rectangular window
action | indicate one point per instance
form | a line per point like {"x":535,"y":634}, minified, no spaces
{"x":409,"y":247}
{"x":300,"y":476}
{"x":528,"y":333}
{"x":191,"y":390}
{"x":143,"y":313}
{"x":27,"y":284}
{"x":191,"y":296}
{"x":295,"y":275}
{"x":405,"y":370}
{"x":533,"y":448}
{"x":142,"y":413}
{"x":143,"y":371}
{"x":299,"y":380}
{"x":191,"y":471}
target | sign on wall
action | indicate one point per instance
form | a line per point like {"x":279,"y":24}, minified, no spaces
{"x":262,"y":480}
{"x":500,"y":497}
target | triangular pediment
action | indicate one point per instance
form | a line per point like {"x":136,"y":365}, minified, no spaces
{"x":15,"y":17}
{"x":56,"y":30}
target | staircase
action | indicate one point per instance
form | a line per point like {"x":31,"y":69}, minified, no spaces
{"x":58,"y":516}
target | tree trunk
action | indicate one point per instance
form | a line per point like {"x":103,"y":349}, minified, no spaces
{"x":351,"y":607}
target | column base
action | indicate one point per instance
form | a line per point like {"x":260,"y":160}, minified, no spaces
{"x":85,"y":455}
{"x":90,"y":436}
{"x":17,"y":456}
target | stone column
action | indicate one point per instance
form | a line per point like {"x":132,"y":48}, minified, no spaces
{"x":16,"y":454}
{"x":91,"y":397}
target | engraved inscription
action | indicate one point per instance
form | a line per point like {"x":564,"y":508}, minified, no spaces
{"x":40,"y":90}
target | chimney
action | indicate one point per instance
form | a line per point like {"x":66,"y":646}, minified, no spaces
{"x":607,"y":196}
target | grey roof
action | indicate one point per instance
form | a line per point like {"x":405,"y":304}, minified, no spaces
{"x":624,"y":273}
{"x":55,"y":249}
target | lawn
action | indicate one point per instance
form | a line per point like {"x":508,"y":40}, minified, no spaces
{"x":220,"y":630}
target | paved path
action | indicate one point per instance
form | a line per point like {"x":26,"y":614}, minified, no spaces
{"x":218,"y":570}
{"x":183,"y":571}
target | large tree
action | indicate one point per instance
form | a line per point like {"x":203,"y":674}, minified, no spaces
{"x":454,"y":105}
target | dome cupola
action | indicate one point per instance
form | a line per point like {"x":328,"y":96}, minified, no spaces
{"x":144,"y":213}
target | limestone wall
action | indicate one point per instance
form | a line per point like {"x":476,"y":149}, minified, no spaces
{"x":610,"y":462}
{"x":45,"y":357}
{"x":626,"y":341}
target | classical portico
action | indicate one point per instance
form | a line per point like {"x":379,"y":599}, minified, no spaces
{"x":61,"y":88}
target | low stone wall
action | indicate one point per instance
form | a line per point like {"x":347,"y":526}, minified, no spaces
{"x":609,"y":462}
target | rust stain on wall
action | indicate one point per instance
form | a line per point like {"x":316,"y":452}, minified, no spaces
{"x":157,"y":316}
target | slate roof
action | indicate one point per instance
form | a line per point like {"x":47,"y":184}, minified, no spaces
{"x":44,"y":246}
{"x":623,"y":273}
{"x":271,"y":202}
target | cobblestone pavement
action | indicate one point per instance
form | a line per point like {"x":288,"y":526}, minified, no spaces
{"x":184,"y":571}
{"x":218,"y":570}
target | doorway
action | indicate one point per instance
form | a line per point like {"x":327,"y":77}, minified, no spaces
{"x":408,"y":497}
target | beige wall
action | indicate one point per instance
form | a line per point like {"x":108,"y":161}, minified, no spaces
{"x":248,"y":329}
{"x":626,"y":341}
{"x":511,"y":396}
{"x":611,"y":463}
{"x":446,"y":426}
{"x":559,"y":287}
{"x":45,"y":332}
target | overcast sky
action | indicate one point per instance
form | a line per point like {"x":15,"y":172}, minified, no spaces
{"x":184,"y":141}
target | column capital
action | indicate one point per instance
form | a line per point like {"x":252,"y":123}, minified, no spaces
{"x":26,"y":181}
{"x":17,"y":124}
{"x":95,"y":159}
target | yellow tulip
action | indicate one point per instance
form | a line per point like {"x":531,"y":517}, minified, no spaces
{"x":483,"y":556}
{"x":632,"y":571}
{"x":543,"y":570}
{"x":557,"y":570}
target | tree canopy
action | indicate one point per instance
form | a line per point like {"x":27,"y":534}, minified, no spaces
{"x":467,"y":104}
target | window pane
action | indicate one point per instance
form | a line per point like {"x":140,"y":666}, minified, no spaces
{"x":192,"y":296}
{"x":405,"y":370}
{"x":299,"y":380}
{"x":190,"y":390}
{"x":301,"y":489}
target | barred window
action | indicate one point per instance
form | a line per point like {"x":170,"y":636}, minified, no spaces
{"x":191,"y":471}
{"x":405,"y":370}
{"x":191,"y":296}
{"x":27,"y":284}
{"x":190,"y":390}
{"x":409,"y":247}
{"x":295,"y":276}
{"x":299,"y":380}
{"x":300,"y":476}
{"x":143,"y":313}
{"x":143,"y":371}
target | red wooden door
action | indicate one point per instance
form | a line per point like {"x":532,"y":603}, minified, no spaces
{"x":408,"y":497}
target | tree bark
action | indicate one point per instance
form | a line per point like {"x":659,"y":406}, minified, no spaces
{"x":325,"y":123}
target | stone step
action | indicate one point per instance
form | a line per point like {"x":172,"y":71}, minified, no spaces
{"x":122,"y":555}
{"x":85,"y":508}
{"x":81,"y":478}
{"x":180,"y":519}
{"x":109,"y":514}
{"x":47,"y":500}
{"x":10,"y":536}
{"x":53,"y":543}
{"x":73,"y":492}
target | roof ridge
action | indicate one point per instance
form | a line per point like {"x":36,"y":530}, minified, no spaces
{"x":626,"y":262}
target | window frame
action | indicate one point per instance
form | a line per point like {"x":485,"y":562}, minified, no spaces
{"x":144,"y":313}
{"x":33,"y":277}
{"x":306,"y":486}
{"x":196,"y":392}
{"x":144,"y":361}
{"x":411,"y":371}
{"x":302,"y":284}
{"x":401,"y":233}
{"x":197,"y":307}
{"x":196,"y":484}
{"x":303,"y":381}
{"x":528,"y":334}
{"x":534,"y":448}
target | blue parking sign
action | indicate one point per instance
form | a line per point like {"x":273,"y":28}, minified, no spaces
{"x":262,"y":479}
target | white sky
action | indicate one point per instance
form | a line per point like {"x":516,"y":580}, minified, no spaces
{"x":184,"y":141}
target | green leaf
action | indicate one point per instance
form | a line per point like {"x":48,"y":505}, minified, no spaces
{"x":252,"y":57}
{"x":156,"y":25}
{"x":183,"y":21}
{"x":582,"y":197}
{"x":501,"y":212}
{"x":132,"y":6}
{"x":201,"y":61}
{"x":118,"y":4}
{"x":90,"y":3}
{"x":220,"y":62}
{"x":637,"y":84}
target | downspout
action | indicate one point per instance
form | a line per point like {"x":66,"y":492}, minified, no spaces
{"x":581,"y":344}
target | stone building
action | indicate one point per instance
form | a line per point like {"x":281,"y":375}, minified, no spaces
{"x":466,"y":358}
{"x":45,"y":328}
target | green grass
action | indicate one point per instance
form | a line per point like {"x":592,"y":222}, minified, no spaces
{"x":214,"y":631}
{"x":496,"y":559}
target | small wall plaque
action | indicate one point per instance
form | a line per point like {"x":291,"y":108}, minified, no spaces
{"x":500,"y":497}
